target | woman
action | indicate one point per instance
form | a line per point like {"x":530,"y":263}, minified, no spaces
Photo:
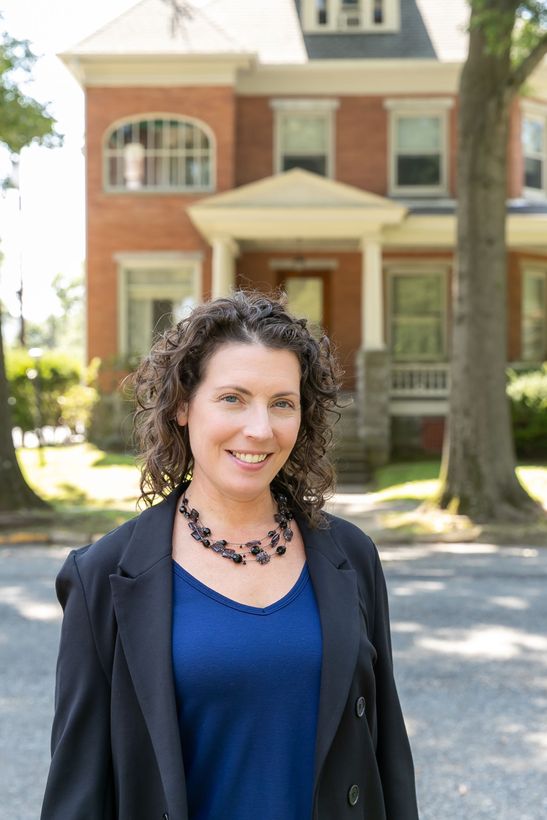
{"x":226,"y":654}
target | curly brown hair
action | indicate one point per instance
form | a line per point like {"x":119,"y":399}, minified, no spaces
{"x":168,"y":377}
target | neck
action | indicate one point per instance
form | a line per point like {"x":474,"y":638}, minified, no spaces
{"x":229,"y":516}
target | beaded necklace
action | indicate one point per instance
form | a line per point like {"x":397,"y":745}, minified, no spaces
{"x":275,"y":539}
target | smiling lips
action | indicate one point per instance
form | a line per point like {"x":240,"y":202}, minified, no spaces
{"x":250,"y":458}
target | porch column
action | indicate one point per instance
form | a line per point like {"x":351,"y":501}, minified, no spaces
{"x":223,"y":273}
{"x":372,"y":365}
{"x":372,"y":298}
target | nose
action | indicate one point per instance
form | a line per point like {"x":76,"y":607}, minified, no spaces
{"x":258,"y":423}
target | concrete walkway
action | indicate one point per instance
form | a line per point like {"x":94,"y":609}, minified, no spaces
{"x":469,"y":629}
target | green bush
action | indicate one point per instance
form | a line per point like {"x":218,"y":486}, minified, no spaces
{"x":56,"y":373}
{"x":528,"y":395}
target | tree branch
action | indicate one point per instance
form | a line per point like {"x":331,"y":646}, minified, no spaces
{"x":530,"y":62}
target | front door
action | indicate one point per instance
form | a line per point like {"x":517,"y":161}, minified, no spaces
{"x":308,"y":296}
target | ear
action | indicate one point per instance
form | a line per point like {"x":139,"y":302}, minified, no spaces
{"x":182,"y":415}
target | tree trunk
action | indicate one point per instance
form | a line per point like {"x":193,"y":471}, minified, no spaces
{"x":478,"y":471}
{"x":15,"y":494}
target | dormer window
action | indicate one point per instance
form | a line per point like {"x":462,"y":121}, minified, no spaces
{"x":355,"y":16}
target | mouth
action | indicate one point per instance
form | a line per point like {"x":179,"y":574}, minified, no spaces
{"x":249,"y":458}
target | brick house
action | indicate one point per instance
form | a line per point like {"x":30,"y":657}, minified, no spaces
{"x":310,"y":145}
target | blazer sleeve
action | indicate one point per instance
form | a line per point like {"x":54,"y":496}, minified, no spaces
{"x":393,"y":749}
{"x":79,"y":781}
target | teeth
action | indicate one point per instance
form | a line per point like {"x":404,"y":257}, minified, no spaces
{"x":251,"y":458}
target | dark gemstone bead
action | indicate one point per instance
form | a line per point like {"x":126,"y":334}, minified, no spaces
{"x":271,"y":533}
{"x":205,"y":542}
{"x":218,"y":547}
{"x":227,"y":553}
{"x":196,"y":536}
{"x":275,"y":539}
{"x":252,"y":543}
{"x":287,"y":534}
{"x":223,"y":542}
{"x":256,"y":550}
{"x":282,"y":499}
{"x":193,"y":526}
{"x":289,"y":516}
{"x":194,"y":515}
{"x":206,"y":531}
{"x":237,"y":559}
{"x":263,"y":557}
{"x":281,"y":550}
{"x":278,"y":517}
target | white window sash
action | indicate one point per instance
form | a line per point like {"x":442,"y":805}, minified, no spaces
{"x":419,"y":190}
{"x":419,"y":321}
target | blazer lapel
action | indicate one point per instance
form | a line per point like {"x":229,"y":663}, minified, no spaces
{"x":335,"y":587}
{"x":142,"y":595}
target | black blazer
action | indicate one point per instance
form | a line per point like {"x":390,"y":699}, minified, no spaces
{"x":116,"y":748}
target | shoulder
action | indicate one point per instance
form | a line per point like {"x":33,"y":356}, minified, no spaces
{"x":359,"y":548}
{"x":103,"y":556}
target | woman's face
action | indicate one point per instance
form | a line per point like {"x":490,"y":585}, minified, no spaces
{"x":243,"y":419}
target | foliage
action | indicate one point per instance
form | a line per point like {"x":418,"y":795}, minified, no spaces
{"x":528,"y":394}
{"x":78,"y":401}
{"x":35,"y":402}
{"x":23,"y":120}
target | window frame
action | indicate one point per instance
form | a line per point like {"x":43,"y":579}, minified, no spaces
{"x":534,"y":272}
{"x":159,"y":189}
{"x":326,"y":108}
{"x":161,"y":261}
{"x":438,"y":270}
{"x":335,"y":13}
{"x":417,"y":108}
{"x":535,"y":113}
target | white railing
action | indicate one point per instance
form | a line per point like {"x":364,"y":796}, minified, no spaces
{"x":419,"y":380}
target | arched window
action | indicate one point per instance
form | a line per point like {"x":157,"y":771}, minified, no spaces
{"x":159,"y":153}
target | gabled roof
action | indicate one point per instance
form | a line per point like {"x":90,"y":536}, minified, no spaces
{"x":268,"y":28}
{"x":430,"y":29}
{"x":293,"y":204}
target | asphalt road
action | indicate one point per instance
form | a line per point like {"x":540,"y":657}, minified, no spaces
{"x":469,"y":628}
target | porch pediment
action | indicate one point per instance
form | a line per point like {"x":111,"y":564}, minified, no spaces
{"x":295,"y":204}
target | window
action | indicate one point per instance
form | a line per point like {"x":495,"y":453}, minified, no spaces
{"x":417,"y":321}
{"x":350,"y":16}
{"x":534,"y":315}
{"x":418,"y":146}
{"x":154,"y":293}
{"x":304,"y":135}
{"x":159,"y":154}
{"x":534,"y":151}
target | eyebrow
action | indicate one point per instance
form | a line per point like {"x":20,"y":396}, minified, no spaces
{"x":246,"y":392}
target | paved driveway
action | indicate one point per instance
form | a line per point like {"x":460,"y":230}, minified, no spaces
{"x":470,"y":638}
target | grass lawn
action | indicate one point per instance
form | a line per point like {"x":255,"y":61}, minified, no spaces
{"x":418,"y":481}
{"x":92,"y":491}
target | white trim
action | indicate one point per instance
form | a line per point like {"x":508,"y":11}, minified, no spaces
{"x":337,"y":12}
{"x":305,"y":108}
{"x":424,"y":110}
{"x":535,"y":270}
{"x":416,"y":267}
{"x":418,"y":103}
{"x":304,"y":104}
{"x":131,"y":260}
{"x":296,"y":263}
{"x":535,"y":113}
{"x":148,"y":190}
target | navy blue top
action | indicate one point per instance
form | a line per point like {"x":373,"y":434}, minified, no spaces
{"x":247,"y":685}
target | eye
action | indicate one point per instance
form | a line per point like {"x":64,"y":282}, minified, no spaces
{"x":230,"y":398}
{"x":284,"y":404}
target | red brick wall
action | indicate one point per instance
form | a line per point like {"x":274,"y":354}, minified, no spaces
{"x":361,"y":142}
{"x":143,"y":221}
